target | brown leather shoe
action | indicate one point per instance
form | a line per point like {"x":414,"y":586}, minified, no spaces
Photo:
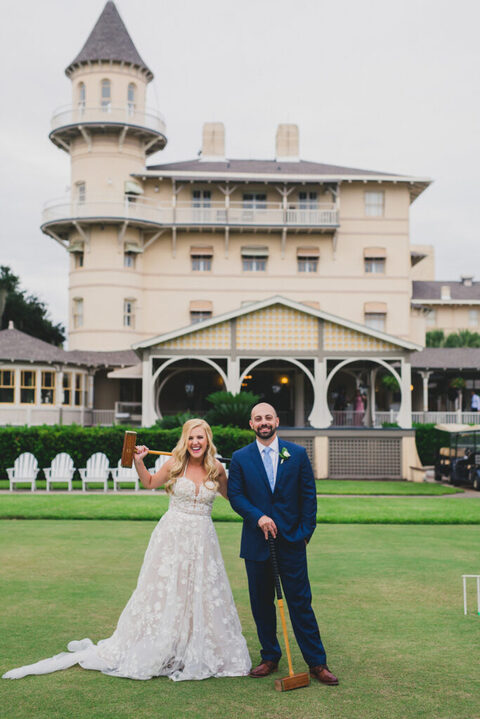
{"x":264,"y":669}
{"x":324,"y":675}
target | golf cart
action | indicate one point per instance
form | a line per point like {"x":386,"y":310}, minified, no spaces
{"x":459,"y":462}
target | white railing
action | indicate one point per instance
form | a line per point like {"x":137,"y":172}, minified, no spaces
{"x":126,"y":115}
{"x":457,"y":417}
{"x":128,"y":413}
{"x":103,"y":417}
{"x":185,"y":214}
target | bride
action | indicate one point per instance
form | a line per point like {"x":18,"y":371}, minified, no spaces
{"x":181,"y":621}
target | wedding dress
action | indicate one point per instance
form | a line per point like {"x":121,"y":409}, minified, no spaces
{"x":181,"y":620}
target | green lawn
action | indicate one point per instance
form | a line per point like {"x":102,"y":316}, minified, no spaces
{"x":388,"y":600}
{"x":324,"y":486}
{"x":332,"y":510}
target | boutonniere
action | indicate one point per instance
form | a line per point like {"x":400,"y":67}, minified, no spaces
{"x":284,"y":455}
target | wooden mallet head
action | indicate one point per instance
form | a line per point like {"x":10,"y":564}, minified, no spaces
{"x":128,"y":450}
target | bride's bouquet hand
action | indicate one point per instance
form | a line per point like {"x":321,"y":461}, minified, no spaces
{"x":140,"y":453}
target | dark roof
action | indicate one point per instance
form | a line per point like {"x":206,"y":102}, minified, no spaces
{"x":432,"y":290}
{"x":109,"y":41}
{"x":302,"y":167}
{"x":17,"y":346}
{"x":446,"y":358}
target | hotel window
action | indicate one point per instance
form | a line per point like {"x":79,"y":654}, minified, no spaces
{"x":375,"y":320}
{"x":131,"y":98}
{"x":129,"y":313}
{"x":255,"y":200}
{"x":105,"y":99}
{"x":201,"y":258}
{"x":47,"y":391}
{"x":67,"y":388}
{"x":77,"y":312}
{"x":7,"y":386}
{"x":375,"y":315}
{"x":431,"y":318}
{"x":307,"y":259}
{"x":374,"y":204}
{"x":201,"y":198}
{"x":307,"y":200}
{"x":81,"y":190}
{"x":473,"y":318}
{"x":129,"y":260}
{"x":78,"y":394}
{"x":374,"y":260}
{"x":82,"y":95}
{"x":78,"y":260}
{"x":200,"y":310}
{"x":28,"y":386}
{"x":254,"y":259}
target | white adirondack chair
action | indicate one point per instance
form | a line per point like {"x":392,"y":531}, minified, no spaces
{"x":60,"y":470}
{"x":224,"y":464}
{"x":25,"y":469}
{"x":125,"y":474}
{"x":97,"y":470}
{"x":160,"y":461}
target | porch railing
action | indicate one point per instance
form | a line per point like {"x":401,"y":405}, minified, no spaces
{"x":456,"y":417}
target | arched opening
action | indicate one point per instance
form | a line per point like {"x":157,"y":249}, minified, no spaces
{"x":363,"y":392}
{"x":283,"y":384}
{"x":184,"y":385}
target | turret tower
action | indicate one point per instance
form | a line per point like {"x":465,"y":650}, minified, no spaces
{"x":108,"y":133}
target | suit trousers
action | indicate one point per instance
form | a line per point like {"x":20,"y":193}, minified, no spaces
{"x":292,"y":561}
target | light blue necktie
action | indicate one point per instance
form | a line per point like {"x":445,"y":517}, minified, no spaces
{"x":268,"y":464}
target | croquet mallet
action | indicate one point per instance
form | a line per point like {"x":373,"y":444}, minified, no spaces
{"x":293,"y":681}
{"x":128,"y":450}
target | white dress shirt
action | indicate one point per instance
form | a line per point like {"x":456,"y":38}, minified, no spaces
{"x":274,"y":451}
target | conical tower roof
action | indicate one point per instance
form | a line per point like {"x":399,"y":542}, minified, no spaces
{"x":109,"y":41}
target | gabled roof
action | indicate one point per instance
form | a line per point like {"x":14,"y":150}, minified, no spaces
{"x":272,"y":170}
{"x":276,"y":300}
{"x":109,"y":41}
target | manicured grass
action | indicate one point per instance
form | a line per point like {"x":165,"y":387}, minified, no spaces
{"x":324,"y":486}
{"x":383,"y":487}
{"x":332,"y":510}
{"x":388,"y":601}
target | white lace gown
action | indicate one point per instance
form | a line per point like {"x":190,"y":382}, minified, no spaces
{"x":181,"y":620}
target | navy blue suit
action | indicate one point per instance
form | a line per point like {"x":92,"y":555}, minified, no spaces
{"x":293,"y":507}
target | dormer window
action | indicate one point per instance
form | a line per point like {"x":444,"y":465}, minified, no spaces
{"x":445,"y":293}
{"x":106,"y":95}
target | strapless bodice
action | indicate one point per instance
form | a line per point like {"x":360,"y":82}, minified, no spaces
{"x":184,"y":497}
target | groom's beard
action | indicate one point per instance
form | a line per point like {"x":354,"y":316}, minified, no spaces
{"x":265,"y":431}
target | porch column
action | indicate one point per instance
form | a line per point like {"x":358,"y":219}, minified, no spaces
{"x":299,"y":400}
{"x":90,"y":391}
{"x":425,"y":374}
{"x":148,"y":412}
{"x":59,"y":393}
{"x":320,"y":416}
{"x":233,"y":375}
{"x":404,"y":417}
{"x":369,"y":418}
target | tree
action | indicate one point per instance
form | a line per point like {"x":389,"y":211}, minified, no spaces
{"x":231,"y":410}
{"x":462,"y":338}
{"x":435,"y":338}
{"x":27,"y":312}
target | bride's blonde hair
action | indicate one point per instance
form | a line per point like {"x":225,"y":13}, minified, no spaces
{"x":180,"y":455}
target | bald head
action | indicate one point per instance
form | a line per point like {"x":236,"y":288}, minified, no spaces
{"x":264,"y":422}
{"x":263,"y":407}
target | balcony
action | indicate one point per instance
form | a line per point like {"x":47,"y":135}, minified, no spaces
{"x":71,"y":120}
{"x":143,"y":212}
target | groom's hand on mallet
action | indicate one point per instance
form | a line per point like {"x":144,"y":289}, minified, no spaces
{"x":268,"y":526}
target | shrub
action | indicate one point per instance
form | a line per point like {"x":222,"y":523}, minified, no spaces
{"x":231,"y":410}
{"x":428,"y":440}
{"x":81,"y":442}
{"x":170,"y":421}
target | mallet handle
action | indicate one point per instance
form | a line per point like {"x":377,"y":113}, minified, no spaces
{"x":278,"y":587}
{"x":155,"y":451}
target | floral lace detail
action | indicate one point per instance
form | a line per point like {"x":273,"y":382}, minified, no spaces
{"x":181,"y":620}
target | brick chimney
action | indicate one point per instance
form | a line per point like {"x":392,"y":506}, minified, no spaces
{"x":287,"y":143}
{"x":213,"y":142}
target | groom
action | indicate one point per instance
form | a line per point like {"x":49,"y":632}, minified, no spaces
{"x":271,"y":485}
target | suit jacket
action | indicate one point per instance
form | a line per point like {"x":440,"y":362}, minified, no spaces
{"x":292,"y":505}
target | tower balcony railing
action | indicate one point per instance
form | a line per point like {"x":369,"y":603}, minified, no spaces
{"x":70,"y":115}
{"x":186,"y":214}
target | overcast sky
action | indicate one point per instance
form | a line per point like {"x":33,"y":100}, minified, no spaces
{"x":379,"y":84}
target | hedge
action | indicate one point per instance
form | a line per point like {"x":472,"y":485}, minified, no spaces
{"x":80,"y":443}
